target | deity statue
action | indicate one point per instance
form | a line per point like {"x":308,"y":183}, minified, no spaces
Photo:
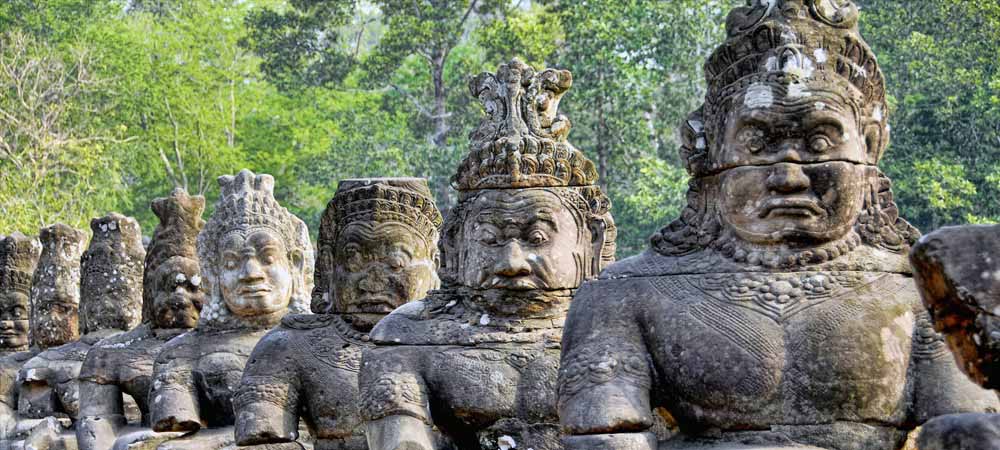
{"x":377,"y":250}
{"x":18,"y":258}
{"x":778,"y":311}
{"x":172,"y":296}
{"x":474,"y":365}
{"x":957,"y":270}
{"x":256,"y":265}
{"x":110,"y":302}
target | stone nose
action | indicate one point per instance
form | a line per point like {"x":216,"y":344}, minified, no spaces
{"x":787,"y":178}
{"x":252,"y":271}
{"x":511,"y":262}
{"x":373,"y":280}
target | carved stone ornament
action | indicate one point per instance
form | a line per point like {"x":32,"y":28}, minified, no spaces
{"x":172,"y":296}
{"x":957,"y":270}
{"x":474,"y":365}
{"x":778,"y":311}
{"x":377,"y":251}
{"x":256,"y":265}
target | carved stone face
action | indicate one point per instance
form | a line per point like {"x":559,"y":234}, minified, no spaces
{"x":14,"y":310}
{"x":522,"y":240}
{"x":797,"y":167}
{"x":256,"y":273}
{"x":179,"y":296}
{"x":379,"y":267}
{"x":56,"y":322}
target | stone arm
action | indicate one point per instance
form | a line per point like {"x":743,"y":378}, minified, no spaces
{"x":605,"y":374}
{"x":939,"y":386}
{"x":394,"y":401}
{"x":36,"y":398}
{"x":102,"y":410}
{"x":174,"y":404}
{"x":267,"y":401}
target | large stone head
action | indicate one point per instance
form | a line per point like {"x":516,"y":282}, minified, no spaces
{"x":55,"y":287}
{"x":255,"y":256}
{"x":111,"y":281}
{"x":173,"y":293}
{"x":377,"y":248}
{"x":18,"y":258}
{"x":784,"y":151}
{"x":530,"y":217}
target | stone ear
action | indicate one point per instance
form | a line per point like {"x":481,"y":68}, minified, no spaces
{"x":598,"y":237}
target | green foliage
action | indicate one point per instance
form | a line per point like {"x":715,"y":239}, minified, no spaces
{"x":178,"y":92}
{"x":942,"y":64}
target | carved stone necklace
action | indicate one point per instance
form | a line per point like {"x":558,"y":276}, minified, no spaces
{"x":345,"y":329}
{"x":740,"y":251}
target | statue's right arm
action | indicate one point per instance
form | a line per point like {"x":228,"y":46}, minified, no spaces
{"x":394,"y":402}
{"x":267,"y":400}
{"x":173,"y":397}
{"x":605,"y":374}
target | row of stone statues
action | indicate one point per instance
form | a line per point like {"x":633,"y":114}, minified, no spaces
{"x":778,"y":312}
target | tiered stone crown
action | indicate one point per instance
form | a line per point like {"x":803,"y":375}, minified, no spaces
{"x":18,"y":258}
{"x":404,"y":200}
{"x":521,"y":141}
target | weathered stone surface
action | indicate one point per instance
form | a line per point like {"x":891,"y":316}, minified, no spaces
{"x":172,"y":296}
{"x":55,"y":287}
{"x":377,"y":251}
{"x":959,"y":279}
{"x":256,"y":262}
{"x":110,"y":303}
{"x":781,"y":300}
{"x":473,"y":365}
{"x":957,"y":270}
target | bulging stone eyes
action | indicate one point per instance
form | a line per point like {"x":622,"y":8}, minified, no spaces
{"x":752,"y":138}
{"x":820,"y":143}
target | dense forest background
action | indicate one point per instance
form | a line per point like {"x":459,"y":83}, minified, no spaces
{"x":107,"y":104}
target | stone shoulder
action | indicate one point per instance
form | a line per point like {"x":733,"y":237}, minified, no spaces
{"x":399,"y":325}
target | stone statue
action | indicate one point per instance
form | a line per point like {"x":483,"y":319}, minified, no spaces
{"x":377,"y":250}
{"x":18,"y":258}
{"x":256,"y":265}
{"x":172,"y":296}
{"x":957,"y":270}
{"x":474,"y":365}
{"x":110,"y":303}
{"x":778,"y":311}
{"x":55,"y":302}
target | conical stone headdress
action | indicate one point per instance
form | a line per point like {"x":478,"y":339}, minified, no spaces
{"x":246,"y":202}
{"x":407,"y":201}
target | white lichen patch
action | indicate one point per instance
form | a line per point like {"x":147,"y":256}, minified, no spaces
{"x":759,"y":96}
{"x":484,"y":320}
{"x":506,"y":443}
{"x":821,"y":55}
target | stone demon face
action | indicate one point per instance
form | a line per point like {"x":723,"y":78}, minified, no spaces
{"x":796,"y":166}
{"x":256,"y":273}
{"x":179,"y":295}
{"x":379,"y":267}
{"x":522,"y":240}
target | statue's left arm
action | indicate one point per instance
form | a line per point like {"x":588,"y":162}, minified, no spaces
{"x":173,"y":398}
{"x":605,"y":375}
